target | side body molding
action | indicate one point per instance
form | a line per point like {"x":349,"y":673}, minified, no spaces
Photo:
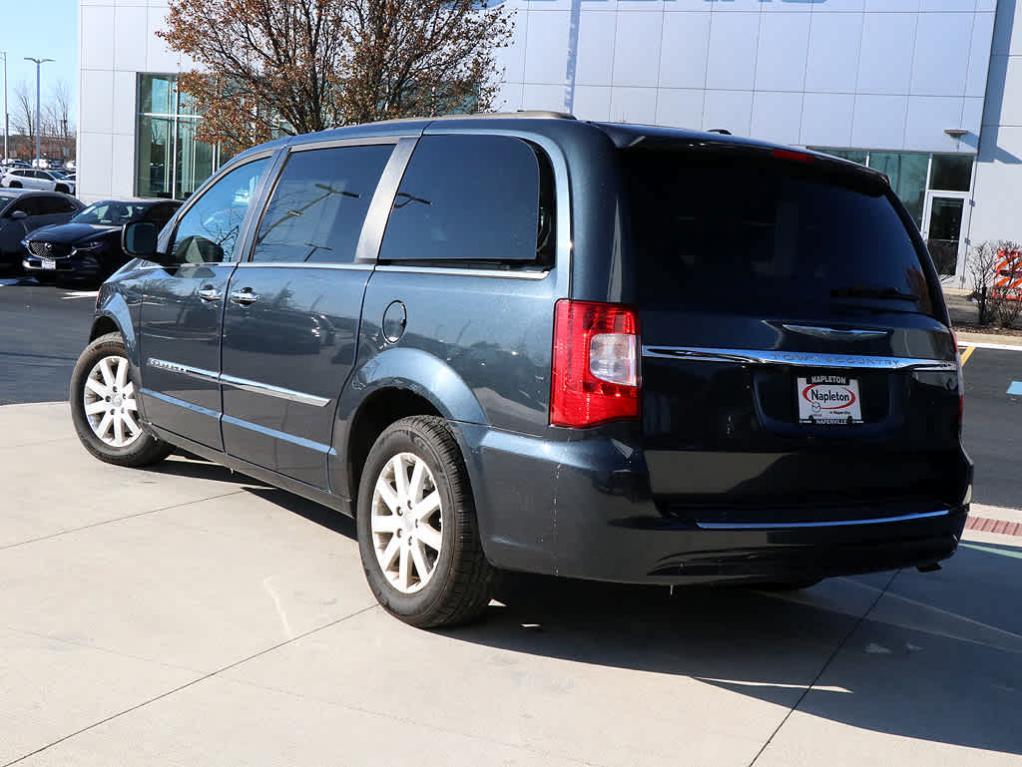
{"x":409,"y":369}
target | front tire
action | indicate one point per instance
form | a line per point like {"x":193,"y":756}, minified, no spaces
{"x":104,"y":407}
{"x":15,"y":185}
{"x":417,"y":530}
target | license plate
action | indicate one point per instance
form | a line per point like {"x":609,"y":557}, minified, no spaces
{"x":828,"y":400}
{"x":49,"y":264}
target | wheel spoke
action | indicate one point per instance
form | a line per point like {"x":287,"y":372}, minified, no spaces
{"x":388,"y":523}
{"x":419,"y":560}
{"x":404,"y":575}
{"x":105,"y":371}
{"x":121,"y":376}
{"x":387,"y":557}
{"x":386,"y":493}
{"x":104,"y":425}
{"x":118,"y":429}
{"x":415,"y":486}
{"x":99,"y":406}
{"x":400,"y":477}
{"x":430,"y":536}
{"x":133,"y":425}
{"x":97,"y":388}
{"x":130,"y":404}
{"x":129,"y":389}
{"x":426,"y":506}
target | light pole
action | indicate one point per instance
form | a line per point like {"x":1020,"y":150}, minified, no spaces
{"x":6,"y":111}
{"x":38,"y":126}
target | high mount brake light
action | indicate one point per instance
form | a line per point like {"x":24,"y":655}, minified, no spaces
{"x":788,"y":154}
{"x":595,"y":376}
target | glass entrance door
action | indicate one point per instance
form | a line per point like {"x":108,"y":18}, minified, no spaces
{"x":942,"y":230}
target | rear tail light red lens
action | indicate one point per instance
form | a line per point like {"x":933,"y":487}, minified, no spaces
{"x":595,"y":375}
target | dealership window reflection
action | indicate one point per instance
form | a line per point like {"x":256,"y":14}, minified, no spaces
{"x":169,"y":162}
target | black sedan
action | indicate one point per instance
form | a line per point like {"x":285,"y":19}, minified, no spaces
{"x":88,"y":247}
{"x":24,"y":212}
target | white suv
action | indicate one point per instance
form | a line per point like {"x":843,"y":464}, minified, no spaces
{"x":44,"y":180}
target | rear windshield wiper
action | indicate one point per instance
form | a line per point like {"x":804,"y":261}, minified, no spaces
{"x":864,"y":292}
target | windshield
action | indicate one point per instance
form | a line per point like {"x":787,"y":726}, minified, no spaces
{"x":768,"y":237}
{"x":109,"y":213}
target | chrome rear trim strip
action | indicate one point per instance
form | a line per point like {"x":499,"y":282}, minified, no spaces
{"x":828,"y":523}
{"x":797,"y":359}
{"x":273,"y":391}
{"x":240,"y":383}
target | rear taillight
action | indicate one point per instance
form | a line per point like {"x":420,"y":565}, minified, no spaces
{"x":595,"y":375}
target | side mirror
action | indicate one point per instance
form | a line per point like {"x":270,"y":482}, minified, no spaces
{"x":18,"y":215}
{"x":139,"y":240}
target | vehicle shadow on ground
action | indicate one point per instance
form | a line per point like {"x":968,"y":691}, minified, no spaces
{"x":936,"y":657}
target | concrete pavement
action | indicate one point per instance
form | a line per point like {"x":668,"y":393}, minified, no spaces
{"x":188,"y":616}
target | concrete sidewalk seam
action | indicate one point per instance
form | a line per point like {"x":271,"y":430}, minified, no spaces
{"x":40,"y":442}
{"x":100,"y":648}
{"x":116,"y":519}
{"x":186,"y":685}
{"x":405,"y":720}
{"x":830,"y":659}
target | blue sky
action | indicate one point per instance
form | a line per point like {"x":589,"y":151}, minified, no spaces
{"x":41,"y":29}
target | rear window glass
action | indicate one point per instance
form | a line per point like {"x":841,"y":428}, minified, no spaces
{"x":777,"y":237}
{"x":468,"y":198}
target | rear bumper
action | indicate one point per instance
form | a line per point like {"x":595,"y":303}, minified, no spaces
{"x":583,"y":509}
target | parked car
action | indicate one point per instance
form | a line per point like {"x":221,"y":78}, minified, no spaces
{"x":23,"y":212}
{"x":600,"y":351}
{"x":43,"y":180}
{"x":88,"y":247}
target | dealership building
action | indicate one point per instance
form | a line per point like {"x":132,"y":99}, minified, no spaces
{"x":928,"y":91}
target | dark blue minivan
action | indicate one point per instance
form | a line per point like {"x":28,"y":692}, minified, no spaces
{"x":531,"y":343}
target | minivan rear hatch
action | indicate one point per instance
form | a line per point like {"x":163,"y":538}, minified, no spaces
{"x":797,"y":361}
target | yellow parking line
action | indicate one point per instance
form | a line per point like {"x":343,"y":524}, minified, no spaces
{"x":967,"y":353}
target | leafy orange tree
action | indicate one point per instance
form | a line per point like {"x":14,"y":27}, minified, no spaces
{"x":296,"y":66}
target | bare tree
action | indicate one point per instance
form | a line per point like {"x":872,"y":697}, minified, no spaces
{"x":297,"y":66}
{"x":981,"y":268}
{"x":23,"y":115}
{"x":57,"y":112}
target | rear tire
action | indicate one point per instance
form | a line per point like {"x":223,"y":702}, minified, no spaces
{"x":105,"y":411}
{"x":414,"y":496}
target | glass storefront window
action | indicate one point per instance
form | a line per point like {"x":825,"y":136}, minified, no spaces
{"x":156,"y":94}
{"x":194,"y":160}
{"x":169,"y":160}
{"x":907,"y":172}
{"x":153,"y":156}
{"x":951,"y":172}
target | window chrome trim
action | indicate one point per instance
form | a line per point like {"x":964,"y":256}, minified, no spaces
{"x":303,"y":265}
{"x":798,"y":359}
{"x":463,"y":272}
{"x":823,"y":523}
{"x":240,"y":383}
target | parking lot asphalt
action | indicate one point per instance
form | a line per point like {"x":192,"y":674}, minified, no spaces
{"x":185,"y":615}
{"x":43,"y":329}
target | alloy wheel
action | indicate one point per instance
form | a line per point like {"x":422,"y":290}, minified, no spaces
{"x":110,"y":402}
{"x":407,"y":522}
